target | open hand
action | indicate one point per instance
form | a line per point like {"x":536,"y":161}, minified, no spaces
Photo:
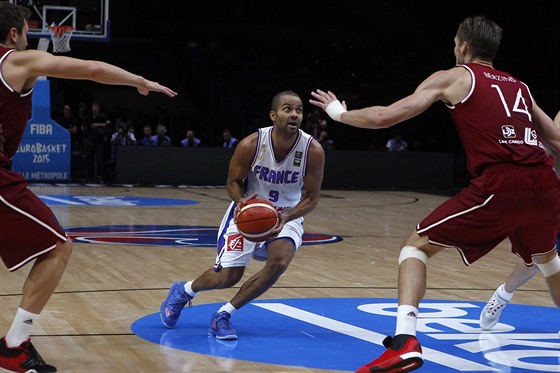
{"x":323,"y":99}
{"x":150,"y":86}
{"x":329,"y":103}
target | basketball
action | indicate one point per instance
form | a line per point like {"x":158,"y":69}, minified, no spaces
{"x":256,"y":220}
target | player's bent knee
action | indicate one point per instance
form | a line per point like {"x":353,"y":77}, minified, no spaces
{"x":551,"y":268}
{"x":63,"y":250}
{"x":412,"y":252}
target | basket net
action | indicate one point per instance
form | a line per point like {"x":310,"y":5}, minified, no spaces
{"x":60,"y":36}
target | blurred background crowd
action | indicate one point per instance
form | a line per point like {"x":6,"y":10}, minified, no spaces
{"x":227,"y":60}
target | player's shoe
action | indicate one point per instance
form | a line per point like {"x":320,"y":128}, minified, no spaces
{"x":492,"y":311}
{"x":220,"y":326}
{"x":403,"y":354}
{"x":172,"y":306}
{"x":23,"y":358}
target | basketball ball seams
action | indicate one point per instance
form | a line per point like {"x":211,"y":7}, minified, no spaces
{"x":257,"y":219}
{"x":257,"y":235}
{"x":251,"y":205}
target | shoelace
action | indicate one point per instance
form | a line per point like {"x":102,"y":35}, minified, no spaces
{"x":223,"y":322}
{"x":495,"y":306}
{"x":181,"y":301}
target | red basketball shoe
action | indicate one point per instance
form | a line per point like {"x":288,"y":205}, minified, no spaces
{"x":403,"y":354}
{"x":23,"y":358}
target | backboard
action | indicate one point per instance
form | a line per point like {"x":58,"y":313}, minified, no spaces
{"x":90,"y":18}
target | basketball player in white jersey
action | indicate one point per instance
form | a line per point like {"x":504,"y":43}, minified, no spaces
{"x":283,"y":165}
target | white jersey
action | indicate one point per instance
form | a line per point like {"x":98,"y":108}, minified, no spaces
{"x":279,"y":181}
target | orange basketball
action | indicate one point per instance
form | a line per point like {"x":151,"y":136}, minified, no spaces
{"x":256,"y":220}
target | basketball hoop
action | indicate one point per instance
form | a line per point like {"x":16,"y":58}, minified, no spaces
{"x":60,"y":36}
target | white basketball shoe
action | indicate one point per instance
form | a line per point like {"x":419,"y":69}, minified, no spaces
{"x":492,"y":311}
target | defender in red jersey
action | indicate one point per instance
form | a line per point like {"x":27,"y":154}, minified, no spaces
{"x":521,"y":273}
{"x":28,"y":229}
{"x":501,"y":128}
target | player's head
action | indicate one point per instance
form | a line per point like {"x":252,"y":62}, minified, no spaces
{"x":13,"y":25}
{"x":286,"y":111}
{"x":277,"y":99}
{"x":477,"y":37}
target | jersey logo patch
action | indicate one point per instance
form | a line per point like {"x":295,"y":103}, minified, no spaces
{"x":530,"y":136}
{"x":235,"y":243}
{"x":508,"y":131}
{"x":297,"y":159}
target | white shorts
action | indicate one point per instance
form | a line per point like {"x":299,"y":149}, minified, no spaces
{"x":235,"y":251}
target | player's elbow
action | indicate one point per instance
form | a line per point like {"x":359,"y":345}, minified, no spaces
{"x":383,"y":122}
{"x":312,"y":203}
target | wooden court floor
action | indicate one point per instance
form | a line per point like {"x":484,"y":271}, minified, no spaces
{"x":86,"y":325}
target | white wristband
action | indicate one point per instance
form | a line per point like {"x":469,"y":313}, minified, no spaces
{"x":335,"y":110}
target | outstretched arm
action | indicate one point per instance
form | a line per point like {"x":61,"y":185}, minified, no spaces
{"x":448,"y":86}
{"x":25,"y":67}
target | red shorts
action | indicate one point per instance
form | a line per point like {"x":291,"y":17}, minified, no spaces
{"x":28,"y":228}
{"x":514,"y":202}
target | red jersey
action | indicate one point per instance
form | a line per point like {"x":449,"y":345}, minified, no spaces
{"x":494,"y":121}
{"x":28,"y":227}
{"x":15,"y":108}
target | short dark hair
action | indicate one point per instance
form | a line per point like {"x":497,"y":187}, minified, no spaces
{"x":276,"y":99}
{"x":11,"y":16}
{"x":482,"y":34}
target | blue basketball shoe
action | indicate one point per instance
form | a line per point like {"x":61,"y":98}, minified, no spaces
{"x":171,"y":307}
{"x":220,"y":326}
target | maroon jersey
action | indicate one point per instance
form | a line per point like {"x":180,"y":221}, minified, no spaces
{"x":495,"y":123}
{"x":28,"y":227}
{"x":15,"y":108}
{"x":515,"y":194}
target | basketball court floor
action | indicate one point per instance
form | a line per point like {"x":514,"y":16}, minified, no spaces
{"x":328,"y":313}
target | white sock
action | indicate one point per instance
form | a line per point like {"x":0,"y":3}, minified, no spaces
{"x":502,"y":293}
{"x":189,"y":290}
{"x":407,"y":317}
{"x":228,"y":308}
{"x":21,"y":327}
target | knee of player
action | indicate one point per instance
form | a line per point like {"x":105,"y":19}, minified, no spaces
{"x":551,"y":267}
{"x":64,"y":249}
{"x":278,"y":267}
{"x":409,"y":252}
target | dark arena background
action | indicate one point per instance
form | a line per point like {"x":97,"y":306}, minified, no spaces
{"x":227,"y":60}
{"x":153,"y":218}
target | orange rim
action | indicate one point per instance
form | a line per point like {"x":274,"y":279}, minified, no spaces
{"x":61,"y":30}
